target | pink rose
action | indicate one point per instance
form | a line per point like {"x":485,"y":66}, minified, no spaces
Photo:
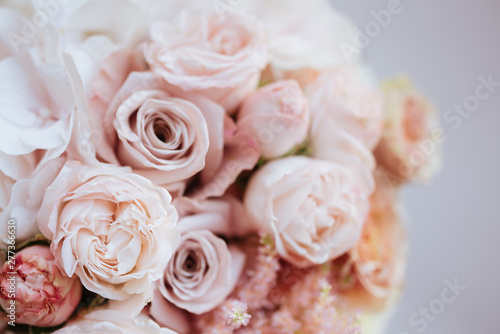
{"x":278,"y":116}
{"x":202,"y":272}
{"x":109,"y":320}
{"x":44,"y":296}
{"x":314,"y":209}
{"x":219,"y":56}
{"x":138,"y":123}
{"x":411,"y":141}
{"x":113,"y":229}
{"x":346,"y":120}
{"x":350,"y":101}
{"x":204,"y":269}
{"x":172,"y":136}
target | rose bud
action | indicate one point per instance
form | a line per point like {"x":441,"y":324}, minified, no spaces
{"x":278,"y":117}
{"x":411,"y":140}
{"x":44,"y":296}
{"x":314,"y":209}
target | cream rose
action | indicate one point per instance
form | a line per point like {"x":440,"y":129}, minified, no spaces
{"x":278,"y":117}
{"x":108,"y":320}
{"x":219,"y":56}
{"x":411,"y":141}
{"x":113,"y":229}
{"x":314,"y":209}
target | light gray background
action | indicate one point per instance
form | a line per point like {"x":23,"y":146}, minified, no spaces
{"x":444,"y":45}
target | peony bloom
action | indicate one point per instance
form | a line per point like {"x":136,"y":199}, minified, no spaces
{"x":109,"y":320}
{"x":411,"y":142}
{"x":44,"y":296}
{"x":218,"y":56}
{"x":379,"y":256}
{"x":278,"y":116}
{"x":314,"y":209}
{"x":203,"y":270}
{"x":115,"y":230}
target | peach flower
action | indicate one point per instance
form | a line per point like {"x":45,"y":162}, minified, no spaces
{"x":411,"y":141}
{"x":278,"y":117}
{"x":113,"y":229}
{"x":218,"y":56}
{"x":43,"y":295}
{"x":380,"y":254}
{"x":314,"y":209}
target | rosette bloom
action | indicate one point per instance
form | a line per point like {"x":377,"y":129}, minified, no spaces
{"x":163,"y":133}
{"x":162,"y":137}
{"x":202,"y":272}
{"x":411,"y":140}
{"x":219,"y":56}
{"x":114,"y":230}
{"x":42,"y":294}
{"x":278,"y":117}
{"x":204,"y":269}
{"x":314,"y":209}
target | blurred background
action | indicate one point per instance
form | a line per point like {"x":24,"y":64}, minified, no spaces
{"x":445,"y":46}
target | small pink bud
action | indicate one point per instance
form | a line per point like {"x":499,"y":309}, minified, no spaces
{"x":34,"y":291}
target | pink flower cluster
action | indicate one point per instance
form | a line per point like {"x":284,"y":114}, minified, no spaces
{"x":200,"y":167}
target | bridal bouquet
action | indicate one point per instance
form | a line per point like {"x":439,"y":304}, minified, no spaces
{"x":225,"y":166}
